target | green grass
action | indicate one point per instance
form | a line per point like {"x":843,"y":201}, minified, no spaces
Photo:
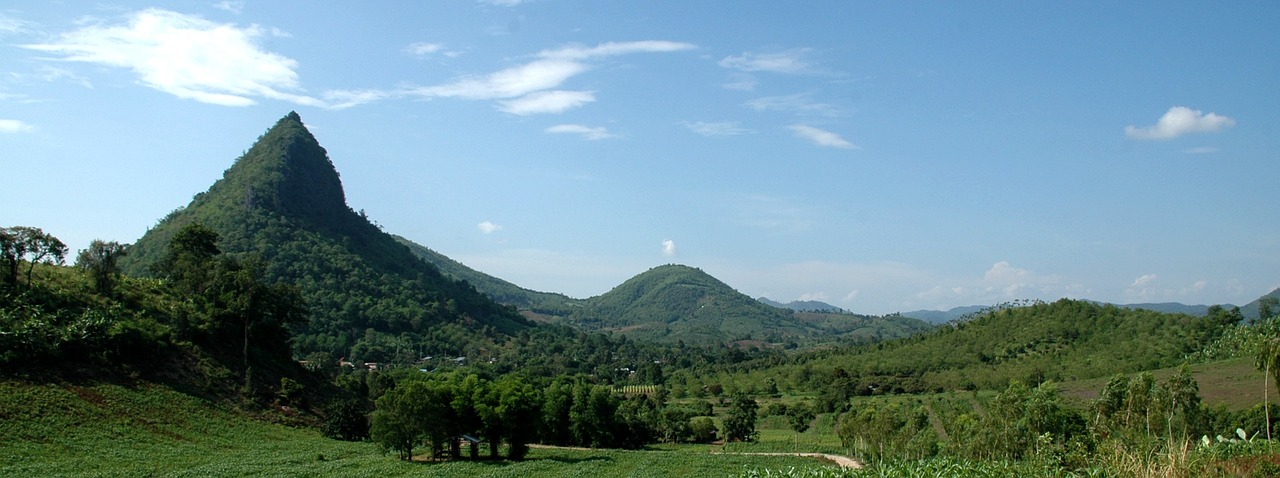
{"x":1235,"y":383}
{"x":149,"y":430}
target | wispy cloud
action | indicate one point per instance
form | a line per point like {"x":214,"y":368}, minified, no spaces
{"x":741,"y":82}
{"x":501,"y":3}
{"x":489,"y":227}
{"x":801,"y":104}
{"x":186,"y":56}
{"x":668,"y":247}
{"x":423,"y":48}
{"x":790,"y":62}
{"x":10,"y":25}
{"x":233,"y":6}
{"x":1180,"y":120}
{"x":821,"y":137}
{"x":723,"y":128}
{"x":778,"y":214}
{"x":11,"y":126}
{"x":1002,"y":282}
{"x":527,"y":88}
{"x":587,"y":132}
{"x":556,"y":101}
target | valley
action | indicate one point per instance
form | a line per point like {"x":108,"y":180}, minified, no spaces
{"x":267,"y":327}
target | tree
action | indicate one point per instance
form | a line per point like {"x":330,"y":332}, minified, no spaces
{"x":799,"y":416}
{"x":101,"y":262}
{"x":1266,"y":354}
{"x":740,"y":424}
{"x":397,"y":423}
{"x":32,"y":244}
{"x":518,"y":409}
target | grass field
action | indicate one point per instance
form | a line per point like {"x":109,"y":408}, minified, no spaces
{"x":1235,"y":383}
{"x":147,"y":430}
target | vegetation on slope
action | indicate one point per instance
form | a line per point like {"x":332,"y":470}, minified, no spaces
{"x":282,"y":201}
{"x":679,"y":303}
{"x":497,"y":289}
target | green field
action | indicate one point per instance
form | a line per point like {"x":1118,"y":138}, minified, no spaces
{"x":147,"y":430}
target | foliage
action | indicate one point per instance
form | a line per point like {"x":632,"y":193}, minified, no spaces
{"x":282,"y":201}
{"x":30,"y":244}
{"x":102,"y":262}
{"x":740,"y":423}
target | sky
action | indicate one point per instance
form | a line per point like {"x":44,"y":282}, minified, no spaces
{"x":877,"y":156}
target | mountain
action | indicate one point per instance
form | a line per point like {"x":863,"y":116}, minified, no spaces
{"x":680,"y":303}
{"x":1251,"y":311}
{"x":1059,"y":341}
{"x":1172,"y":308}
{"x":369,"y":296}
{"x":802,"y":305}
{"x":503,"y":292}
{"x":944,"y":316}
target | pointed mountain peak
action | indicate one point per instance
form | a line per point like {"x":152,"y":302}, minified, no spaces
{"x":286,"y":172}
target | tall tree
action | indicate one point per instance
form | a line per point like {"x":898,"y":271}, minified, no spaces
{"x":101,"y":261}
{"x":740,"y":424}
{"x":31,"y":244}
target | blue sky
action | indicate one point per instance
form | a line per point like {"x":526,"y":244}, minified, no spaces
{"x":881,"y":157}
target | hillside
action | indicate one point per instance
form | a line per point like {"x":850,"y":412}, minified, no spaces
{"x":1251,"y":310}
{"x":679,"y":303}
{"x":802,"y":305}
{"x":497,"y":289}
{"x":1060,"y":341}
{"x":282,"y":201}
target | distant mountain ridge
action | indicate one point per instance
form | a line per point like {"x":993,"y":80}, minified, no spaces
{"x":1249,"y":311}
{"x":803,"y":305}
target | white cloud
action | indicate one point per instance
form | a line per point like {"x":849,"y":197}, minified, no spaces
{"x":10,"y":25}
{"x":821,"y":137}
{"x":614,"y":49}
{"x":1145,"y":281}
{"x":186,"y":56}
{"x":818,"y":296}
{"x":509,"y":83}
{"x":423,"y":48}
{"x":1002,"y":282}
{"x":502,"y":3}
{"x":342,"y":99}
{"x":587,"y":132}
{"x":741,"y":83}
{"x":790,"y":62}
{"x":233,"y":6}
{"x":668,"y":248}
{"x":798,"y":104}
{"x":15,"y":126}
{"x":532,"y":87}
{"x":723,"y":128}
{"x":488,"y":227}
{"x":1180,"y":120}
{"x":556,"y":101}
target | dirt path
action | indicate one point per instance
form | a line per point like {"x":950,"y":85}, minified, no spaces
{"x":843,"y":461}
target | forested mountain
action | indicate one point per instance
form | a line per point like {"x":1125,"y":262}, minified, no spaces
{"x":1251,"y":311}
{"x":1062,"y":340}
{"x":802,"y":305}
{"x":499,"y":290}
{"x":675,"y":302}
{"x":368,"y":294}
{"x":944,"y":316}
